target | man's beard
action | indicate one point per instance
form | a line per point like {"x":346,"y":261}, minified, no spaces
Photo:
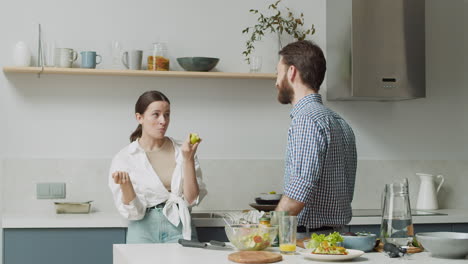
{"x":285,"y":92}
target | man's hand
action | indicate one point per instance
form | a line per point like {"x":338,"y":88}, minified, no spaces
{"x":292,"y":206}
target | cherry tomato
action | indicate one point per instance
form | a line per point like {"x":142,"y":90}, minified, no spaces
{"x":257,"y":239}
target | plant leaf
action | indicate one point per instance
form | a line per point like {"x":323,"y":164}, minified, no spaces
{"x":275,"y":24}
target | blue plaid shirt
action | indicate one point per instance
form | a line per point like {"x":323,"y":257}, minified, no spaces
{"x":320,"y":164}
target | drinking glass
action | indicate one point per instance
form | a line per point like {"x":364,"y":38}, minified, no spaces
{"x":49,"y":53}
{"x":116,"y":51}
{"x":275,"y":216}
{"x":287,"y":234}
{"x":397,"y":225}
{"x":255,"y":64}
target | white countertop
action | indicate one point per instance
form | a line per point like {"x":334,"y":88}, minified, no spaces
{"x":452,"y":216}
{"x":52,"y":220}
{"x":175,"y":253}
{"x":114,"y":220}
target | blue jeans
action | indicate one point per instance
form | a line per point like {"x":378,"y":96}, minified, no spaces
{"x":155,"y":228}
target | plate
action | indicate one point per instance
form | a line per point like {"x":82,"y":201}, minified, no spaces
{"x":263,"y":207}
{"x":352,"y":253}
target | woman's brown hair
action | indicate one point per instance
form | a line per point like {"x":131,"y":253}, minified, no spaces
{"x":142,"y":104}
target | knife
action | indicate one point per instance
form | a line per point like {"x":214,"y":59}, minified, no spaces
{"x":196,"y":244}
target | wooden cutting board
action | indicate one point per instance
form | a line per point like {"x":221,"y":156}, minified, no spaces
{"x":410,"y":250}
{"x":255,"y":257}
{"x":300,"y":242}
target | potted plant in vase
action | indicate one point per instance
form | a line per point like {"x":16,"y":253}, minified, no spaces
{"x":277,"y":23}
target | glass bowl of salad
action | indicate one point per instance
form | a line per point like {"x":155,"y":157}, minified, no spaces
{"x":251,"y":237}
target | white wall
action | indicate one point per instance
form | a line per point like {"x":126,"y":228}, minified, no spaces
{"x":84,"y":120}
{"x":3,"y":114}
{"x":192,"y":30}
{"x":58,"y":105}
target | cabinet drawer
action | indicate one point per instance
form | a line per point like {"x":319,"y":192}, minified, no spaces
{"x":61,"y":245}
{"x":460,"y":228}
{"x":420,"y":228}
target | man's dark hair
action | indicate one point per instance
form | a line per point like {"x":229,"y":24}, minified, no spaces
{"x":308,"y":58}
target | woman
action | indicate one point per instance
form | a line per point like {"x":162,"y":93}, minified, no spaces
{"x":154,"y":179}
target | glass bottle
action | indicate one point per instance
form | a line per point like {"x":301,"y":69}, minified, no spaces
{"x":397,"y":224}
{"x":159,"y":59}
{"x":264,"y":221}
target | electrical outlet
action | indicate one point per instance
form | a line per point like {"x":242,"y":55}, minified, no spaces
{"x":50,"y":190}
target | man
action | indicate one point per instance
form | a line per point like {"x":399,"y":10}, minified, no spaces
{"x":321,"y":154}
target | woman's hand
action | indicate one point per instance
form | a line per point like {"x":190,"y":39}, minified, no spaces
{"x":128,"y":193}
{"x":191,"y":189}
{"x":189,"y":149}
{"x":121,"y":177}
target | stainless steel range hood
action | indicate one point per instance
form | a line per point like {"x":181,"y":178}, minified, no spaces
{"x":375,"y":50}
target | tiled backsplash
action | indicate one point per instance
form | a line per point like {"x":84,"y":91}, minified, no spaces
{"x":231,"y":184}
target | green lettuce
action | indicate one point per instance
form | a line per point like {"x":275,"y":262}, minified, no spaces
{"x":332,"y":239}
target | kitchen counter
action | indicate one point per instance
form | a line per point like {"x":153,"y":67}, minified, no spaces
{"x":52,"y":220}
{"x":447,"y":216}
{"x":200,"y":219}
{"x":175,"y":253}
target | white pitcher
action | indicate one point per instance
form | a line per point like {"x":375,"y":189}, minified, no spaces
{"x":427,"y":198}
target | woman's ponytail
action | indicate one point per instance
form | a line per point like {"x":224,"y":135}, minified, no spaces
{"x":136,"y":134}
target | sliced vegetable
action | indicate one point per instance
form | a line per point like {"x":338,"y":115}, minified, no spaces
{"x":257,"y":239}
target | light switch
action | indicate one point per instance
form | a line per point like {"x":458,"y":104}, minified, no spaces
{"x":50,"y":190}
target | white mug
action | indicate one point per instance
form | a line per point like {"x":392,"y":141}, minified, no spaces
{"x":132,"y":59}
{"x":21,"y":55}
{"x":64,"y":57}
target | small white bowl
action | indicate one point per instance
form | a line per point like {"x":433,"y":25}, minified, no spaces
{"x":444,"y":244}
{"x":268,"y":196}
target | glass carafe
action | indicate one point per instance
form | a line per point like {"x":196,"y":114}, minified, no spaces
{"x":397,"y":225}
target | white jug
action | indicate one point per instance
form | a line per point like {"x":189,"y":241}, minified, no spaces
{"x":427,"y":198}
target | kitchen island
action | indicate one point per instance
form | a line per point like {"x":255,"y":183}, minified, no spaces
{"x":175,"y":253}
{"x":97,"y":232}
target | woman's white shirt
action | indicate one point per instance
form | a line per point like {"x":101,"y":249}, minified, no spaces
{"x":149,"y":189}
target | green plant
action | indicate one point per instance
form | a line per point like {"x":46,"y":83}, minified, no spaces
{"x":275,"y":24}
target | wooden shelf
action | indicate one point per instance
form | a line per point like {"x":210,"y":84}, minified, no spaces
{"x":106,"y":72}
